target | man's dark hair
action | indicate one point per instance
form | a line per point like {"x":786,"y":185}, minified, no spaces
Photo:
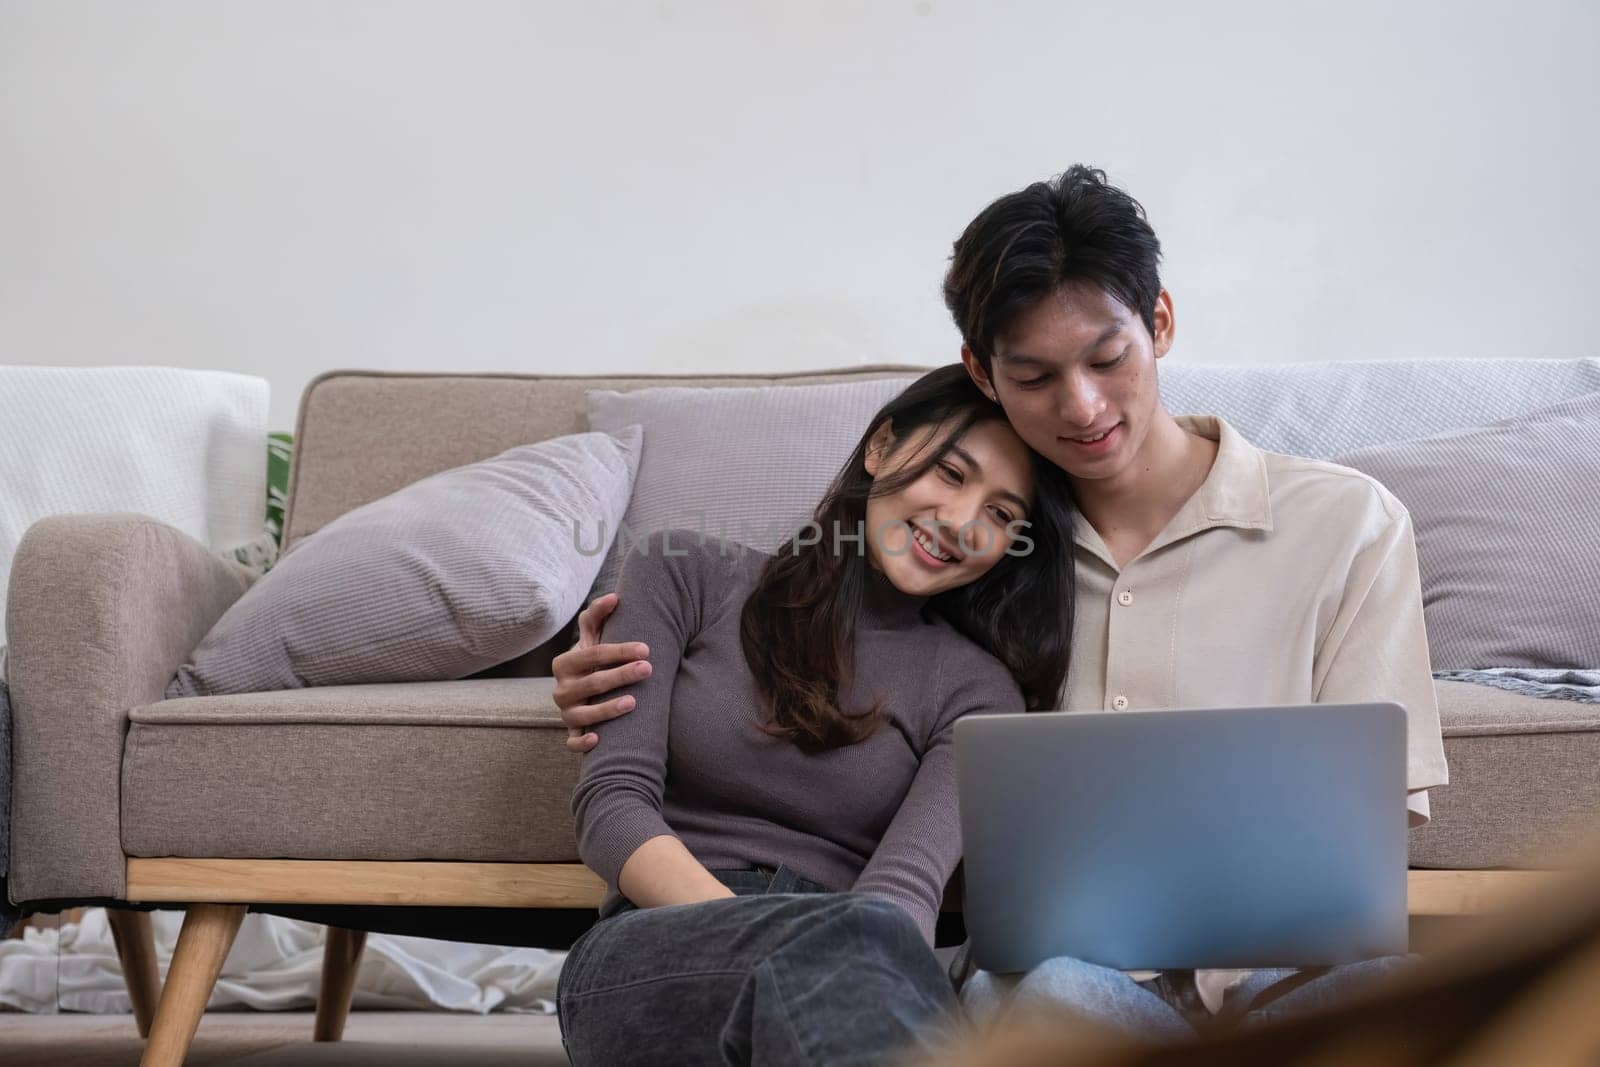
{"x":1024,"y":246}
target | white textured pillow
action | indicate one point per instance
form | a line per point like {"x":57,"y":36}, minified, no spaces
{"x":450,"y":575}
{"x":747,"y":464}
{"x":1323,"y":409}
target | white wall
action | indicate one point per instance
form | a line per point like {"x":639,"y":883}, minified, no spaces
{"x":287,"y":186}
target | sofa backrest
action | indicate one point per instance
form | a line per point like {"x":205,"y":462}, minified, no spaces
{"x":361,"y":435}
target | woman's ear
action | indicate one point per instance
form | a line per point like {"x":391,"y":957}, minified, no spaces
{"x":879,"y":445}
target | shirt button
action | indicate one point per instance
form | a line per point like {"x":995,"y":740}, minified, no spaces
{"x":1125,"y":597}
{"x":1120,"y":703}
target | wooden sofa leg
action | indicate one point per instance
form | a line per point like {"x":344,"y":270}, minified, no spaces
{"x":136,"y":948}
{"x":341,"y":958}
{"x":203,"y":943}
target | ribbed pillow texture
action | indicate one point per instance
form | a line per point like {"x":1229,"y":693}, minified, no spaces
{"x":450,"y":575}
{"x":1507,"y":521}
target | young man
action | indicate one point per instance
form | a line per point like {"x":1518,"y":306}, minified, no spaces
{"x":1209,"y":572}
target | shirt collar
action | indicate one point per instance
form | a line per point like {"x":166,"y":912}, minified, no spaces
{"x":1235,"y":493}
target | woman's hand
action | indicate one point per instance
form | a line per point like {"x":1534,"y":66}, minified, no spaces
{"x":589,"y":670}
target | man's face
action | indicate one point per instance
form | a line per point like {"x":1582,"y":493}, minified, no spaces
{"x":1076,"y":365}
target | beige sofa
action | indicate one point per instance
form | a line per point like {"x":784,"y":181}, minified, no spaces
{"x":384,"y":799}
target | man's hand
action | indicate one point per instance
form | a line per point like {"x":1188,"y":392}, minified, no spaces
{"x":589,"y":670}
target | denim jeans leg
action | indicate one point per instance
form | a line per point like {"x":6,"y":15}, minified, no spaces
{"x":1101,"y":994}
{"x":856,"y":985}
{"x":787,"y":978}
{"x":1268,"y":995}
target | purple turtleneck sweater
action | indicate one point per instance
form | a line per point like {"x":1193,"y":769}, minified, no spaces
{"x":691,"y":760}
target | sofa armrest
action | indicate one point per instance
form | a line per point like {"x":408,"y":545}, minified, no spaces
{"x":102,"y":610}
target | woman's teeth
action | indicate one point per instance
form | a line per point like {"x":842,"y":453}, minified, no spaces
{"x":1092,"y":440}
{"x":927,"y":546}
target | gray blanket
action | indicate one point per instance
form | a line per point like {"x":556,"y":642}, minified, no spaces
{"x":1551,"y":684}
{"x":8,"y":914}
{"x":5,"y":780}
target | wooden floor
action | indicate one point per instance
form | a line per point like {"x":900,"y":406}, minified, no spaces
{"x":283,"y":1039}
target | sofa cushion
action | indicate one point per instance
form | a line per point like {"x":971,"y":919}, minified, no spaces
{"x":1522,"y":779}
{"x":462,"y":570}
{"x":478,"y":770}
{"x":745,"y":465}
{"x":460,"y":770}
{"x":1506,"y":527}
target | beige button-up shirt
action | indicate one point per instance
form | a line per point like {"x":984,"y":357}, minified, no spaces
{"x":1282,"y":580}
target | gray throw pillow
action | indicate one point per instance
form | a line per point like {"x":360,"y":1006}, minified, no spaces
{"x":1508,"y":536}
{"x":452,"y":574}
{"x":746,"y":464}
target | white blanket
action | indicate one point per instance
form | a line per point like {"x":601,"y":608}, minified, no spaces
{"x":187,"y":447}
{"x":276,"y":965}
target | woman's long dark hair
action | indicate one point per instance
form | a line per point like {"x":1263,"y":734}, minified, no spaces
{"x":798,"y":626}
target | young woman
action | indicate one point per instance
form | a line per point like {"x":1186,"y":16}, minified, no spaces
{"x":776,"y":818}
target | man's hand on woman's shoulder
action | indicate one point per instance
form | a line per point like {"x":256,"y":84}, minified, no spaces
{"x":589,"y":670}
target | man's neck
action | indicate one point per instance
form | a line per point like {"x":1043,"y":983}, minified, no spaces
{"x":1130,"y":509}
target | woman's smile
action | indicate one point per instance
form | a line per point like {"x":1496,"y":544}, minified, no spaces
{"x":923,"y":549}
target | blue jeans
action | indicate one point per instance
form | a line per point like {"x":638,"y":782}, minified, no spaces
{"x":783,"y":973}
{"x":1167,"y":1008}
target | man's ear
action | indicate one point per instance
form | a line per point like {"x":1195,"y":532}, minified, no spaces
{"x":880,"y":444}
{"x":1166,"y":325}
{"x":979,"y":376}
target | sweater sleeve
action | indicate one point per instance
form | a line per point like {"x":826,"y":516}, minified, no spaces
{"x":920,"y":849}
{"x":617,"y":803}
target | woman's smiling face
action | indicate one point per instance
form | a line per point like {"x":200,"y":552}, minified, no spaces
{"x":952,"y":524}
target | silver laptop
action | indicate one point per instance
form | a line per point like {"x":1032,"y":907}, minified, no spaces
{"x":1216,"y":837}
